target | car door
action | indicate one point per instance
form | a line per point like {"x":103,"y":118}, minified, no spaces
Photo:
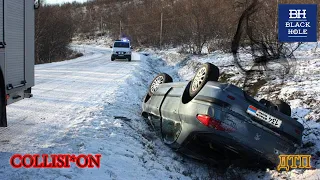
{"x":171,"y":124}
{"x":153,"y":106}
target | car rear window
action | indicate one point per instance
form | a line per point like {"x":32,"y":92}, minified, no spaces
{"x":121,"y":44}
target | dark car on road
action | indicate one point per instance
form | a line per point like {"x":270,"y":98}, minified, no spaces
{"x":219,"y":122}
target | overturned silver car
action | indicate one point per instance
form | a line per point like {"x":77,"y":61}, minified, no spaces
{"x":219,"y":122}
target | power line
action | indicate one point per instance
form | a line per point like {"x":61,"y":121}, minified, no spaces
{"x":145,"y":23}
{"x":155,"y":33}
{"x":181,"y":17}
{"x":139,"y":24}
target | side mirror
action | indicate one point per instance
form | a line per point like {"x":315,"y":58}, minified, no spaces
{"x":36,"y":4}
{"x":131,"y":47}
{"x":110,"y":46}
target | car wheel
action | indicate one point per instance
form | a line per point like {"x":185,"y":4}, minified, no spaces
{"x":208,"y":72}
{"x":283,"y":107}
{"x":129,"y":59}
{"x":160,"y":79}
{"x":112,"y":59}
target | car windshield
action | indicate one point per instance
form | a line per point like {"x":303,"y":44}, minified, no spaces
{"x":121,"y":44}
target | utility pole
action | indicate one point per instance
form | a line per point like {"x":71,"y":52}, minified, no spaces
{"x":275,"y":24}
{"x":101,"y":25}
{"x":120,"y":29}
{"x":275,"y":21}
{"x":161,"y":26}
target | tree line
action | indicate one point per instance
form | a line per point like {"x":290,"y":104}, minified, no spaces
{"x":190,"y":24}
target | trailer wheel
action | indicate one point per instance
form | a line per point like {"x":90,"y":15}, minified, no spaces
{"x":160,"y":79}
{"x":3,"y":103}
{"x":208,"y":72}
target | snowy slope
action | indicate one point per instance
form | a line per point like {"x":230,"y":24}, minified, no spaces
{"x":301,"y":90}
{"x":92,"y":105}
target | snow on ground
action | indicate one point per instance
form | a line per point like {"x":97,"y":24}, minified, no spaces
{"x":92,"y":105}
{"x":301,"y":90}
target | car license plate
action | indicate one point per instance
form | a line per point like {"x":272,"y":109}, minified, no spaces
{"x":264,"y":116}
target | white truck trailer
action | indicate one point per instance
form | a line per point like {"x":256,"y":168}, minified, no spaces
{"x":17,"y":34}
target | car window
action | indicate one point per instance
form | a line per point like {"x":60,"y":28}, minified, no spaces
{"x":121,"y":44}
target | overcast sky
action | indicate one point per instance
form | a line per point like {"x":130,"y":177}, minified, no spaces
{"x":62,"y":1}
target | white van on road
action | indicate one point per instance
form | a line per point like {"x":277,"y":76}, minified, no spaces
{"x":121,"y":49}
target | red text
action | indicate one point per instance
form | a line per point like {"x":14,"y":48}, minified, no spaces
{"x":55,"y":160}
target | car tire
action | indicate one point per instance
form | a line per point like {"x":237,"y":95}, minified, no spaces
{"x":160,"y":79}
{"x":207,"y":72}
{"x":283,"y":107}
{"x":112,"y":59}
{"x":129,"y":59}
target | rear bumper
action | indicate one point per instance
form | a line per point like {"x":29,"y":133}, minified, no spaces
{"x":216,"y":149}
{"x":18,"y":94}
{"x":247,"y":143}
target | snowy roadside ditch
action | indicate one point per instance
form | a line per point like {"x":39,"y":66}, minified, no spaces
{"x":129,"y":148}
{"x":301,"y":90}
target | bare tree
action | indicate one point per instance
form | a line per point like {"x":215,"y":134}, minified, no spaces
{"x":269,"y":57}
{"x":54,"y":32}
{"x":191,"y":24}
